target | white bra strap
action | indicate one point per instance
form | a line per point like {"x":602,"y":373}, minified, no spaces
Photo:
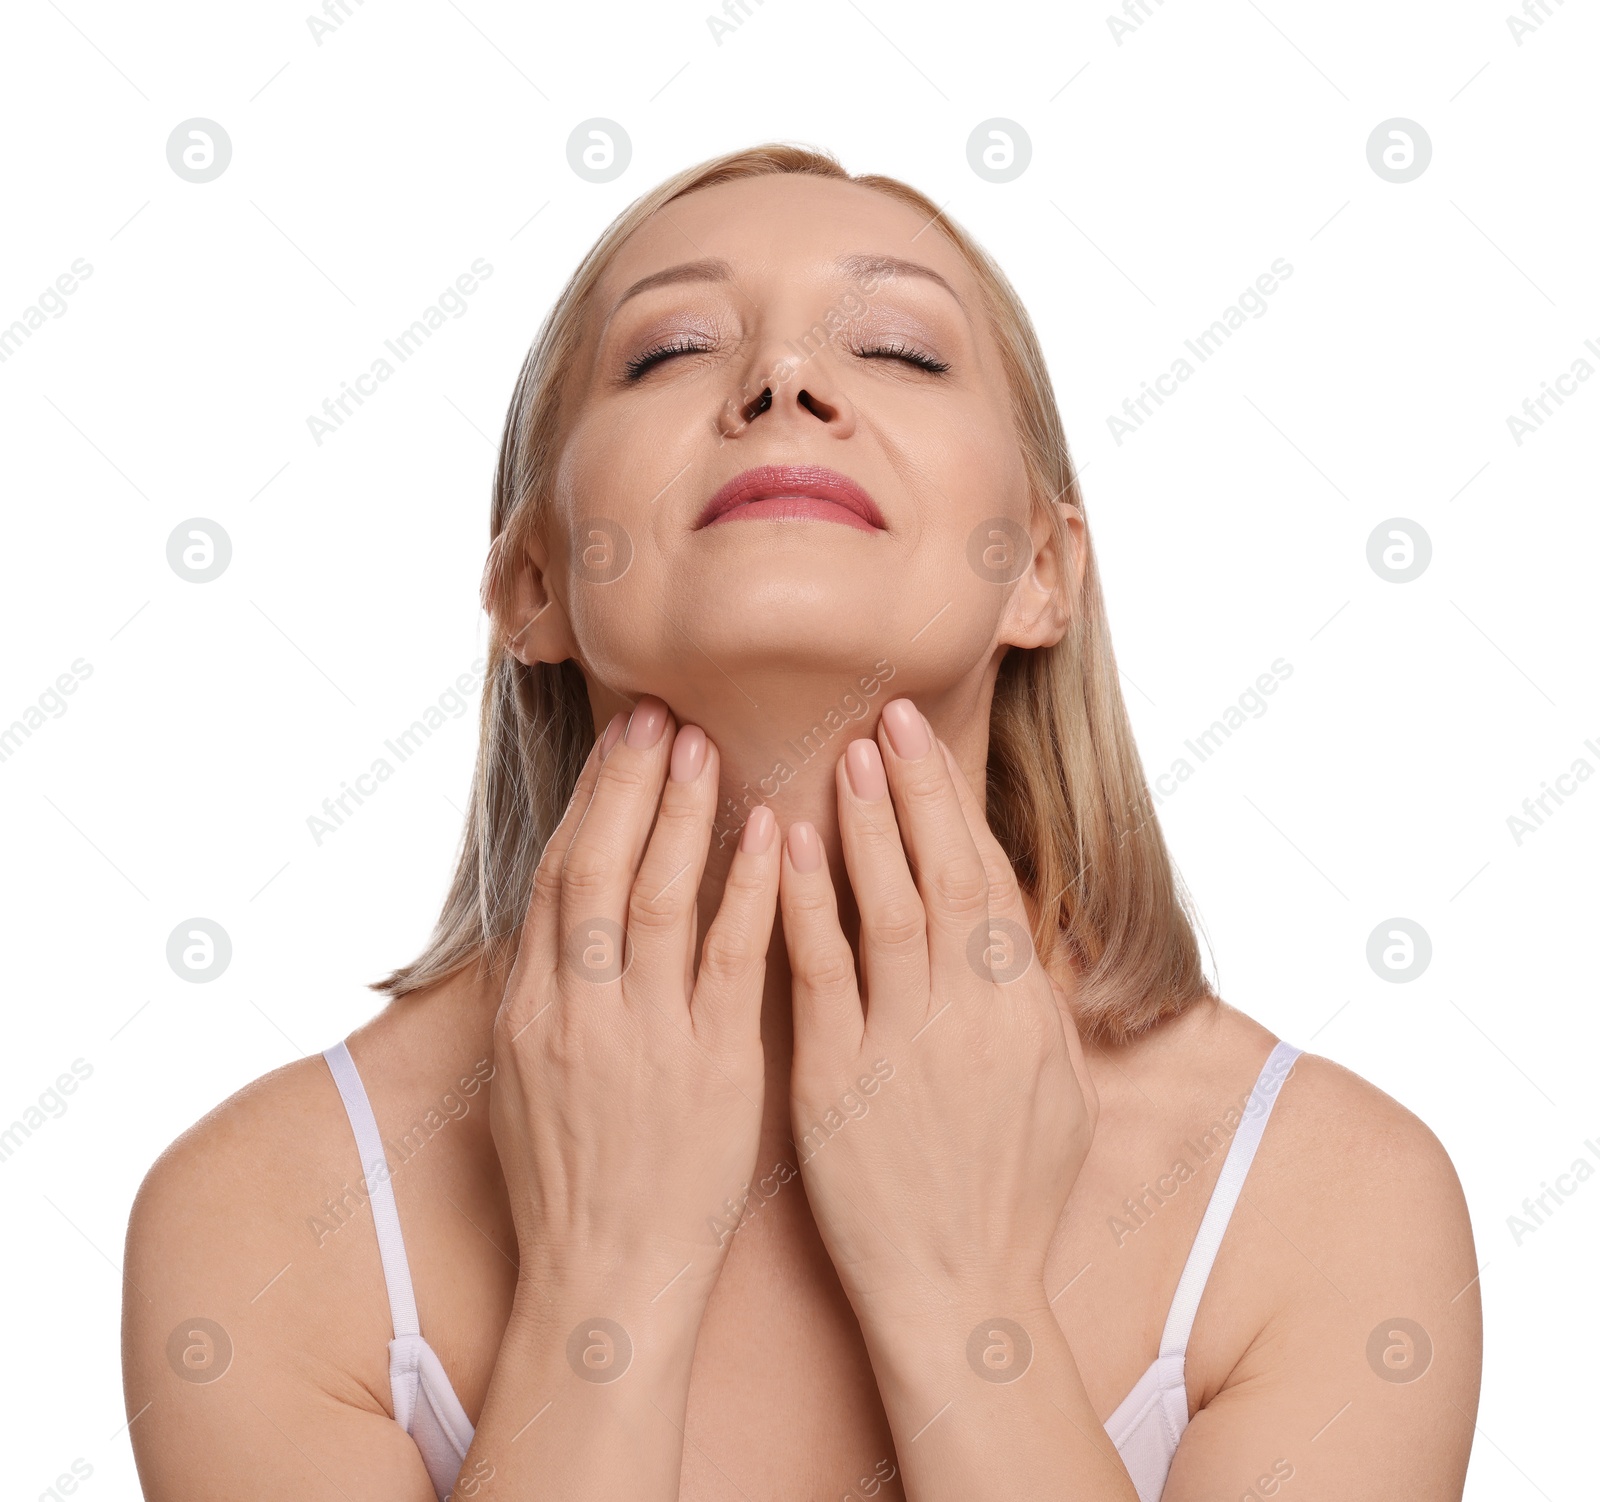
{"x":380,"y":1193}
{"x":1207,"y":1241}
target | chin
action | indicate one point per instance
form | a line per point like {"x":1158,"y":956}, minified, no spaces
{"x":773,"y":610}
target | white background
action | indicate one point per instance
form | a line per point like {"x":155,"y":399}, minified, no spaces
{"x":1168,"y":171}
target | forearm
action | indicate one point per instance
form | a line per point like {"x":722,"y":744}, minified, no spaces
{"x":990,"y":1405}
{"x":587,"y":1399}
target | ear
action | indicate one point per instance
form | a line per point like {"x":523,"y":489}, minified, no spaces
{"x":517,"y":595}
{"x":1045,"y":597}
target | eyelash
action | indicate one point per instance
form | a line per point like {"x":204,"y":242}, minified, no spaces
{"x":641,"y":363}
{"x":905,"y":352}
{"x":637,"y":367}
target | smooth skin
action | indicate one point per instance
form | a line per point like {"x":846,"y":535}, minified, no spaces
{"x":808,"y":964}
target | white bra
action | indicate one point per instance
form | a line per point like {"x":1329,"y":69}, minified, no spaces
{"x":1145,"y":1428}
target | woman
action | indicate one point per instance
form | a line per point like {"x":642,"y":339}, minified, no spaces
{"x":811,"y":1088}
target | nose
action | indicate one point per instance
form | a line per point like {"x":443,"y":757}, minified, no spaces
{"x":788,"y":385}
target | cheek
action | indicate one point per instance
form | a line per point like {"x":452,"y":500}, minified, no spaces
{"x":602,"y":551}
{"x":610,"y":599}
{"x":973,"y":537}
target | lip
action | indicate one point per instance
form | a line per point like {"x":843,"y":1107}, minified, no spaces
{"x":793,"y":492}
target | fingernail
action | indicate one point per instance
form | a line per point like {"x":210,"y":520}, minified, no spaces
{"x":645,"y":724}
{"x":613,"y":730}
{"x":907,"y":734}
{"x":757,"y":830}
{"x":805,"y":849}
{"x":864,"y":767}
{"x":688,"y":753}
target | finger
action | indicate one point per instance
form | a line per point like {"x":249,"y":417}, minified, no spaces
{"x":944,"y":858}
{"x":1006,"y":908}
{"x":602,"y":860}
{"x":726,"y":1009}
{"x":688,"y":957}
{"x":1080,"y":1065}
{"x":661,"y":905}
{"x":544,"y":903}
{"x":1010,"y":936}
{"x":894,"y":930}
{"x":827,"y":1007}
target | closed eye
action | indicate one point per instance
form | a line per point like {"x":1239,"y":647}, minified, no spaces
{"x":640,"y":364}
{"x":906,"y":353}
{"x":637,"y":366}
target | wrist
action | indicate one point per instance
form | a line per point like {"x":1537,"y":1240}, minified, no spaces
{"x":990,"y":1326}
{"x":606,"y":1325}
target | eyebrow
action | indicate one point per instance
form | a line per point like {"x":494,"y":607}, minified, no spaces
{"x":858,"y":266}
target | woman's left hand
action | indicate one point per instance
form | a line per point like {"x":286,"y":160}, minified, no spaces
{"x":941,"y":1125}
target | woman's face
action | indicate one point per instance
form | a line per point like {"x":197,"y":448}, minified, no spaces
{"x":822,"y":335}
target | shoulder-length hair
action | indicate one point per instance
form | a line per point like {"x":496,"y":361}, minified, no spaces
{"x":1066,"y":795}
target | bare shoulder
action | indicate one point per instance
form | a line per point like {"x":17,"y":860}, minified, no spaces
{"x":1373,"y":1191}
{"x":1336,"y":1142}
{"x":244,"y":1320}
{"x":1345,"y":1298}
{"x":1337,"y":1137}
{"x":243,"y":1180}
{"x":255,"y":1145}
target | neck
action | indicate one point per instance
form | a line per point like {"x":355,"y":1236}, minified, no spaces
{"x":786,"y":757}
{"x":784,"y":752}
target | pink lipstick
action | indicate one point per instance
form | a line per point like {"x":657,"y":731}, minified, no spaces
{"x":793,"y":492}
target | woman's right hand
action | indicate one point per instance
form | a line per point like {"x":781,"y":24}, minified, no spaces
{"x":627,"y":1095}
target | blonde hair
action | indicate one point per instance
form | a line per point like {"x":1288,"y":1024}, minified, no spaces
{"x":1067,"y":795}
